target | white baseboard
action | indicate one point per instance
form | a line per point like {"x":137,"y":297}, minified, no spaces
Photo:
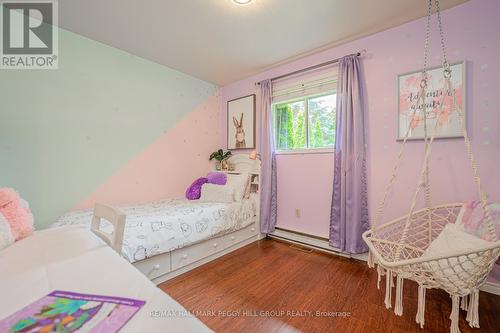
{"x":322,"y":245}
{"x":313,"y":242}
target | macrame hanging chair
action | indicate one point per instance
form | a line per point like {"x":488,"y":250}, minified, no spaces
{"x":399,"y":248}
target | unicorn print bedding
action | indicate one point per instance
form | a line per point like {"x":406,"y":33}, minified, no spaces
{"x":159,"y":227}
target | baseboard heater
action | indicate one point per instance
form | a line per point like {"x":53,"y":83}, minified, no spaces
{"x":315,"y":243}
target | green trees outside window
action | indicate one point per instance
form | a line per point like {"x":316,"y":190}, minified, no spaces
{"x":305,"y":123}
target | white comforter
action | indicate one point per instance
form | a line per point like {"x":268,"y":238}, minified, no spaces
{"x":74,"y":259}
{"x":163,"y":226}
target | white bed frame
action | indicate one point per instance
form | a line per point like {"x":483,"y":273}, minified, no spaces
{"x":167,"y":265}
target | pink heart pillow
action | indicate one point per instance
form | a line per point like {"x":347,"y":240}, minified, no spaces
{"x":16,"y":212}
{"x":472,"y":220}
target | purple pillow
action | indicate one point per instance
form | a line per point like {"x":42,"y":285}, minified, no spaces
{"x":193,"y":192}
{"x":218,"y":178}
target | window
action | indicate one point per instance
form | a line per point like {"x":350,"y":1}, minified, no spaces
{"x":305,"y":123}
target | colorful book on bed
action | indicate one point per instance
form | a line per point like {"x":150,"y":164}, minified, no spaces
{"x":63,"y":311}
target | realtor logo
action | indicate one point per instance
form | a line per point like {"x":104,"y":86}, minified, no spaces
{"x":29,"y":38}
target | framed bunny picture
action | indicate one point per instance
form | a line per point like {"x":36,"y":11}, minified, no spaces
{"x":241,"y":123}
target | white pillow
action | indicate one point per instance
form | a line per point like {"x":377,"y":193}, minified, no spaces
{"x":452,"y":240}
{"x":217,"y":193}
{"x":239,"y":182}
{"x":6,"y":237}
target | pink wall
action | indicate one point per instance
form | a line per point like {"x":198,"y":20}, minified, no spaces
{"x":304,"y":181}
{"x":165,"y":168}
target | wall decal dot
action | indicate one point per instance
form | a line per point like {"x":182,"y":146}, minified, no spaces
{"x":486,"y":142}
{"x":484,"y":67}
{"x":486,"y":129}
{"x":386,"y":147}
{"x":457,"y":52}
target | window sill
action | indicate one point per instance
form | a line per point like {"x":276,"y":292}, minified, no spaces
{"x":305,"y":151}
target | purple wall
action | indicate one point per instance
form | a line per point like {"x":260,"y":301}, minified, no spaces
{"x":472,"y":31}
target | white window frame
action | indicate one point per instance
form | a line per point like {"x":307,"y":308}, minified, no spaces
{"x":302,"y":151}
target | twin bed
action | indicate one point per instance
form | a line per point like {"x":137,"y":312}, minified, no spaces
{"x":166,"y":238}
{"x":158,"y":227}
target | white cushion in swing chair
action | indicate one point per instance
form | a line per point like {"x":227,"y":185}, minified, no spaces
{"x":451,"y":241}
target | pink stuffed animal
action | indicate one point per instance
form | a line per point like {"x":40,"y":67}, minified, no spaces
{"x":18,"y":215}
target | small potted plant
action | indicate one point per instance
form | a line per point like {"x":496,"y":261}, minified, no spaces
{"x":221,"y":157}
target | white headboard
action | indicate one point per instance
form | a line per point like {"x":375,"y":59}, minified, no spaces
{"x":243,"y":163}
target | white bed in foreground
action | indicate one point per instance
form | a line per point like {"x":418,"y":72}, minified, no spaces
{"x":74,"y":259}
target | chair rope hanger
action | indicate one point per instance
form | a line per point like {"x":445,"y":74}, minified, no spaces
{"x":398,"y":247}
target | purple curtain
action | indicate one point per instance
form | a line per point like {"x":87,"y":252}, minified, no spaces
{"x":349,"y":211}
{"x":268,"y":191}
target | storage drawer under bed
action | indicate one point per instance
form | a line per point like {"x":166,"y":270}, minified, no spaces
{"x":240,"y":235}
{"x":193,"y":253}
{"x":155,"y":266}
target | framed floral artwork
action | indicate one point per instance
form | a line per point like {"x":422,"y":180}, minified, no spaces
{"x":442,"y":118}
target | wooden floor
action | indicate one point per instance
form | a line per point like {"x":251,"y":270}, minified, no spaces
{"x":269,"y":286}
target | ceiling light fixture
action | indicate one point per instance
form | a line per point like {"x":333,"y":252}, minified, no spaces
{"x":242,"y":2}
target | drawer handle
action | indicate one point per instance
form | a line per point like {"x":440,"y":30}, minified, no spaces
{"x":253,"y":229}
{"x":184,"y":256}
{"x":215,"y":244}
{"x":156,"y":267}
{"x":232,"y":237}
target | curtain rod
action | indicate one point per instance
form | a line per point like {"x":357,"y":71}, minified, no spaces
{"x":330,"y":62}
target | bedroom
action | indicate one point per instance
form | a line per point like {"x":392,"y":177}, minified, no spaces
{"x":116,"y":110}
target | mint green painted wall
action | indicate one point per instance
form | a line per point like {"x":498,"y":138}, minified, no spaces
{"x":63,"y":132}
